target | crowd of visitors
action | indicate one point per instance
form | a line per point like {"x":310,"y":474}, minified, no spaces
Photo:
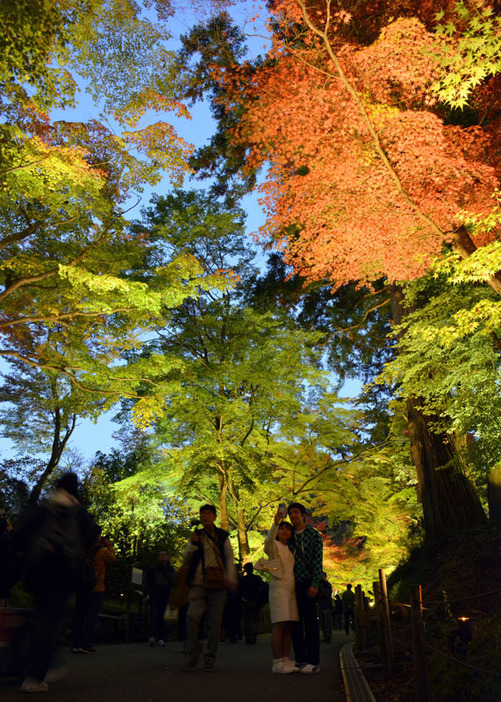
{"x":63,"y":551}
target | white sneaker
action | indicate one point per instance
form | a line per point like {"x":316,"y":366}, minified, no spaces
{"x":161,"y":642}
{"x":278,"y":666}
{"x":289,"y":665}
{"x":310,"y":668}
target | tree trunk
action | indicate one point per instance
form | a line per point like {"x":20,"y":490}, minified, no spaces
{"x":450,"y":501}
{"x":223,"y":505}
{"x":494,"y":494}
{"x":58,"y":445}
{"x":243,"y":542}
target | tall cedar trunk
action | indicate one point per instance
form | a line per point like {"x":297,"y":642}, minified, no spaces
{"x":494,"y":493}
{"x":223,"y":506}
{"x":243,"y":542}
{"x":450,"y":501}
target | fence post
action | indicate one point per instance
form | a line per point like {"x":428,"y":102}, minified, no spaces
{"x":360,"y":620}
{"x":418,"y":653}
{"x":385,"y":621}
{"x":379,"y":619}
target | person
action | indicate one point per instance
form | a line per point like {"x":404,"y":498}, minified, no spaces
{"x":8,"y":574}
{"x":348,"y":598}
{"x":158,"y":586}
{"x":54,"y":540}
{"x":282,"y":595}
{"x":325,"y":608}
{"x":308,"y":554}
{"x":338,"y":612}
{"x":89,"y":603}
{"x":212,"y":571}
{"x":250,"y":588}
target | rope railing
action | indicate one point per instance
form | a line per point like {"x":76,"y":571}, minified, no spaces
{"x":404,"y":627}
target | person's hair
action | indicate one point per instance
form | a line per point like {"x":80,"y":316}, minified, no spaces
{"x":290,"y":527}
{"x":208,"y":507}
{"x":349,"y":586}
{"x":69,"y":482}
{"x":298,"y":506}
{"x":249,"y":568}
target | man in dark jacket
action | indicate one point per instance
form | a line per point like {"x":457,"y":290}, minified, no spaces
{"x":157,"y":591}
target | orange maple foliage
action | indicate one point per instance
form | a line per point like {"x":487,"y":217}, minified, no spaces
{"x":366,"y":178}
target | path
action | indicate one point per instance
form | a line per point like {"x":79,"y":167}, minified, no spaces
{"x":137,"y":673}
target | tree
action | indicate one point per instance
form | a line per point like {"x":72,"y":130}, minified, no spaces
{"x":67,"y":301}
{"x":246,"y":375}
{"x":379,"y":191}
{"x":70,"y":306}
{"x":133,"y":504}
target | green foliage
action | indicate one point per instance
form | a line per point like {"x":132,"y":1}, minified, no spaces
{"x":129,"y":499}
{"x":68,"y":302}
{"x":469,"y":51}
{"x":449,"y":356}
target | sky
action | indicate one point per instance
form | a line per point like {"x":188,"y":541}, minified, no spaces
{"x":90,"y":437}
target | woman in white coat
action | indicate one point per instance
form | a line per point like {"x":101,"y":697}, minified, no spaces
{"x":282,"y":595}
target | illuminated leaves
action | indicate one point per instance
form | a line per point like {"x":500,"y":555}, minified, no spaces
{"x":365,"y":179}
{"x":471,"y":54}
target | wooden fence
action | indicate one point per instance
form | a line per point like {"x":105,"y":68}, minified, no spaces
{"x":405,"y":632}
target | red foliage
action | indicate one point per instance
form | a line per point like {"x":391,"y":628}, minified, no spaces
{"x":366,"y":178}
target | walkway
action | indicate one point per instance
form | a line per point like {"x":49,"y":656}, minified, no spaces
{"x":136,"y":673}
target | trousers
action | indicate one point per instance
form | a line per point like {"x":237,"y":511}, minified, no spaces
{"x":212,"y":603}
{"x":305,"y":633}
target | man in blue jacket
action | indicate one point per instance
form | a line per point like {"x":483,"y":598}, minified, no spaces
{"x":308,"y":568}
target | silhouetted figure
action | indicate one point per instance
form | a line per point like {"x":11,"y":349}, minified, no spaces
{"x":54,"y":540}
{"x":89,"y":600}
{"x":325,"y":608}
{"x":348,"y":598}
{"x":157,"y":591}
{"x":338,"y":613}
{"x":249,"y":591}
{"x":8,"y":575}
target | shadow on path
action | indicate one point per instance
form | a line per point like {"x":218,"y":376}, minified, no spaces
{"x":137,"y":673}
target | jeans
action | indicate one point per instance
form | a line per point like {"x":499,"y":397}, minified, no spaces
{"x":200,"y":601}
{"x":305,"y":633}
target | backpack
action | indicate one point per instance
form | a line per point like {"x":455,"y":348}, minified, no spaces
{"x":56,"y":553}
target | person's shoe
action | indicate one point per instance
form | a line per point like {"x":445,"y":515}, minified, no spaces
{"x":278,"y":666}
{"x":289,"y":666}
{"x":152,"y":641}
{"x":209,"y":667}
{"x":33,"y":685}
{"x":310,"y":668}
{"x":161,"y":642}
